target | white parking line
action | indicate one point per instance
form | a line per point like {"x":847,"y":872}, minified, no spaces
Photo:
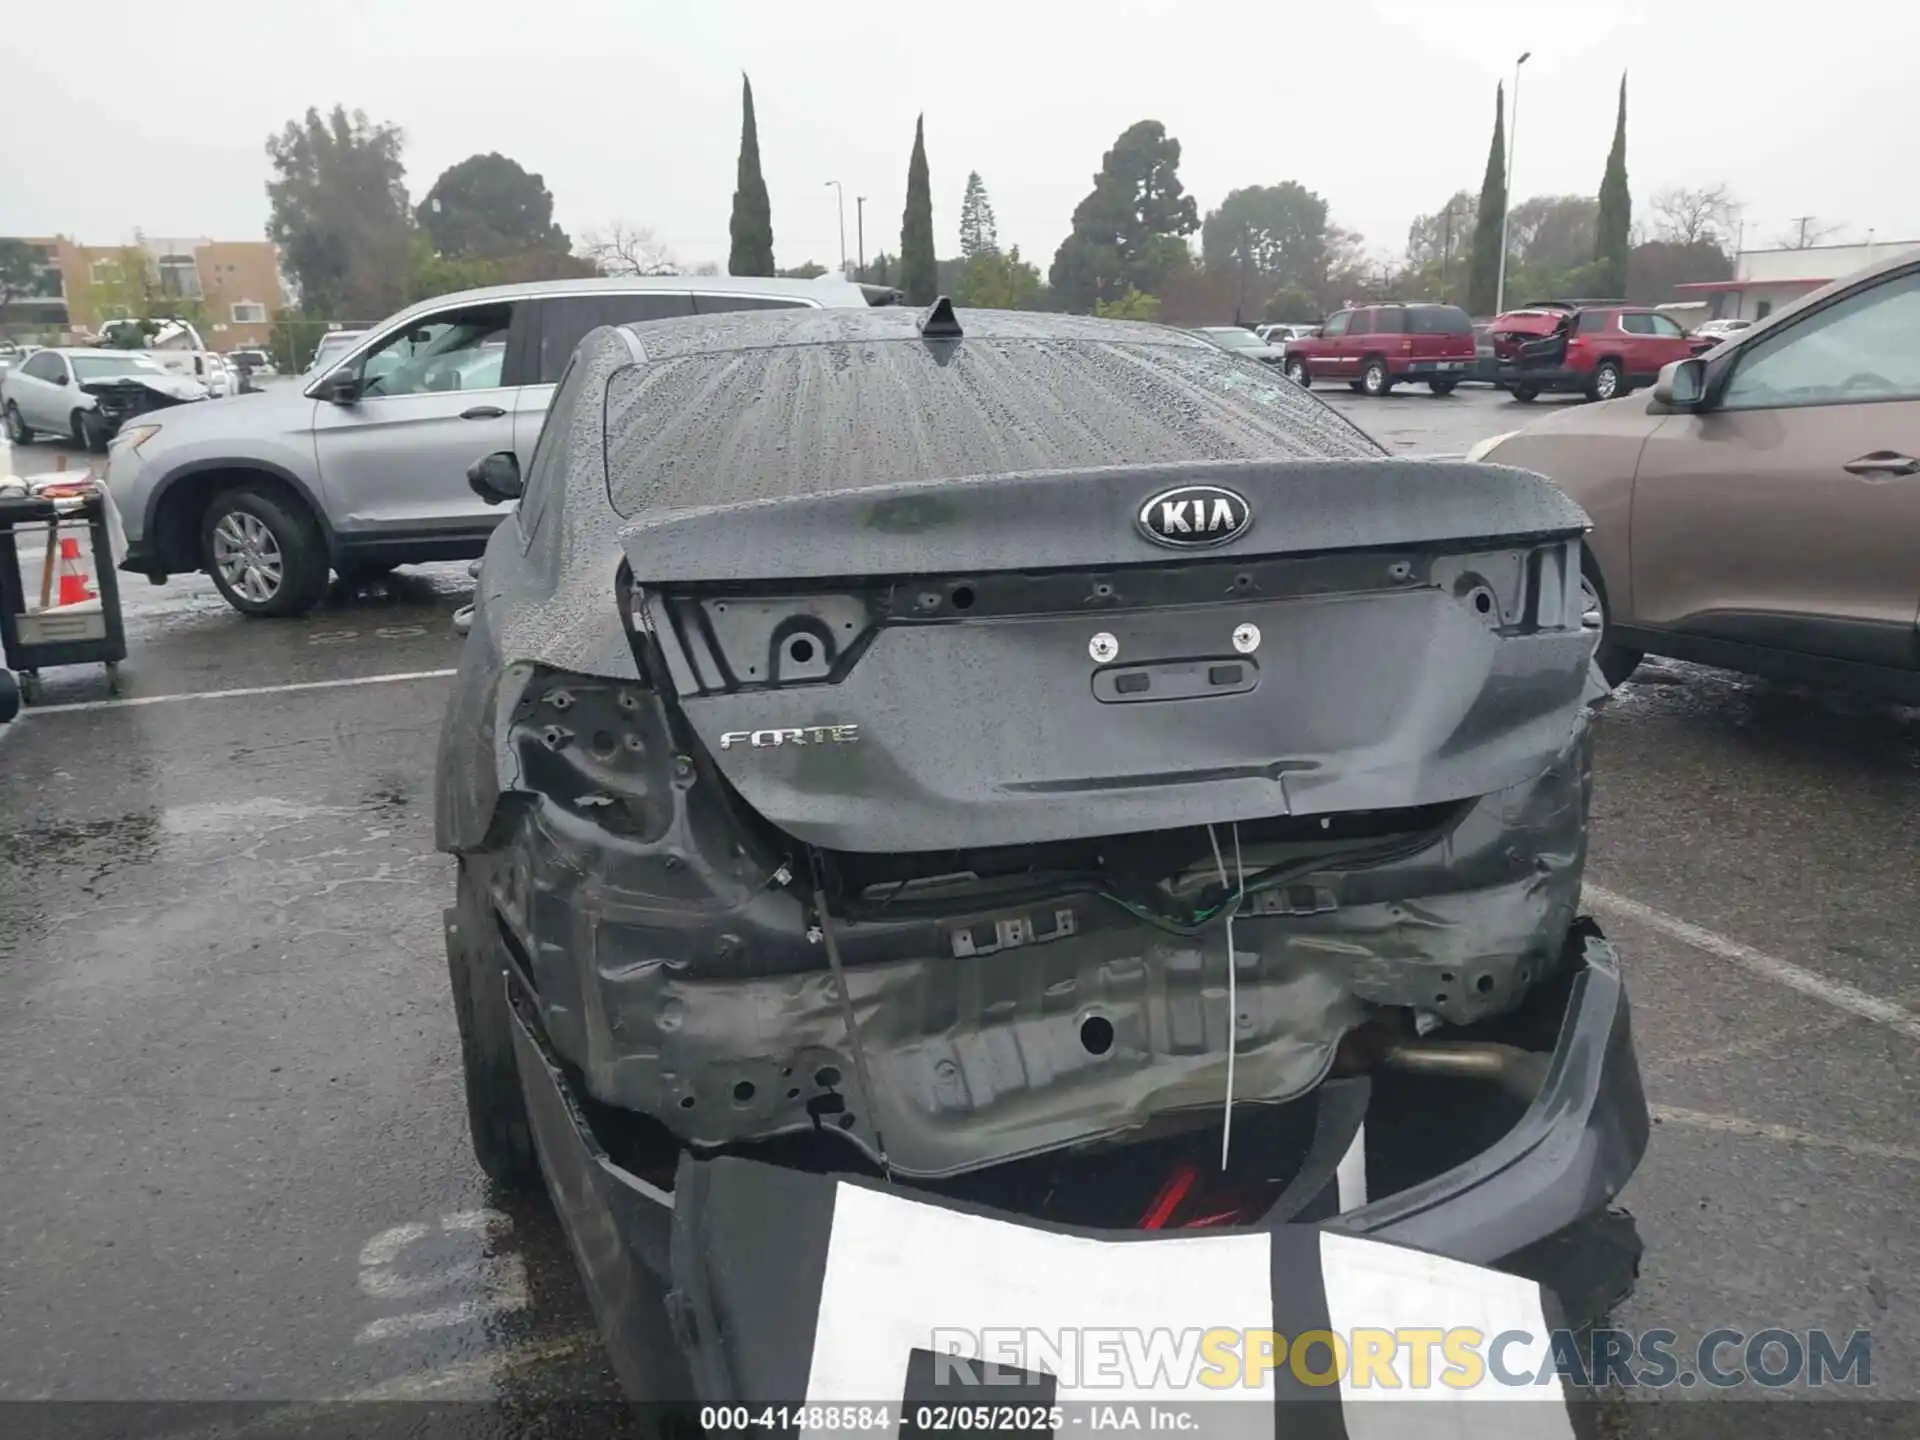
{"x":482,"y":1370}
{"x":461,"y":1376}
{"x":1836,"y":993}
{"x":134,"y":701}
{"x":1786,"y":1134}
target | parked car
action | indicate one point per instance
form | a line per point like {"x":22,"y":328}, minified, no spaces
{"x":1597,"y":349}
{"x":86,"y":395}
{"x":1762,"y":512}
{"x":1718,"y":330}
{"x":333,"y":345}
{"x":1486,"y":361}
{"x":1241,"y":341}
{"x":360,"y":467}
{"x":1375,"y":347}
{"x":721,"y":752}
{"x":1280,"y":334}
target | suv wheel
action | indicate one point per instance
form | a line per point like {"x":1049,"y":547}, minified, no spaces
{"x":1525,"y":393}
{"x":17,"y":431}
{"x":1374,"y":380}
{"x":496,"y":1106}
{"x":265,"y":553}
{"x":1442,"y":387}
{"x":1616,"y":662}
{"x":1297,"y":373}
{"x":1606,"y":382}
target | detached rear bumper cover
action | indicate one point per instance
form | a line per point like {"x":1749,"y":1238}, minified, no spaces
{"x":650,"y":1257}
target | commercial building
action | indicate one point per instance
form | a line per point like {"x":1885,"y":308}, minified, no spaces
{"x":231,"y":289}
{"x":1764,"y":280}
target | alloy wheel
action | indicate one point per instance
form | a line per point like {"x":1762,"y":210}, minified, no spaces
{"x":1297,"y":372}
{"x":248,"y":556}
{"x":1607,"y":383}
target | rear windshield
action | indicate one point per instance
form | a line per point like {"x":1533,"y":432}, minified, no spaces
{"x":743,"y":425}
{"x":1438,"y":320}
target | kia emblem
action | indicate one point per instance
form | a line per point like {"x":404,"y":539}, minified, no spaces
{"x":1191,"y":517}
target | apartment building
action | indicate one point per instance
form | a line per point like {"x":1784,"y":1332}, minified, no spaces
{"x":234,"y":286}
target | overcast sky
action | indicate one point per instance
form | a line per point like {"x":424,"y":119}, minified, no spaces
{"x":631,"y":110}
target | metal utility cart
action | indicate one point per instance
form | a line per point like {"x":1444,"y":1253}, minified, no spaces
{"x":44,"y":635}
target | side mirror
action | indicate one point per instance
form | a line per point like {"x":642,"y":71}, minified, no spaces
{"x":495,"y":478}
{"x":1682,"y":384}
{"x":342,"y":388}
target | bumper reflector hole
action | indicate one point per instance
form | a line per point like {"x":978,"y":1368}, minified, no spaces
{"x":686,"y":1102}
{"x":743,"y":1092}
{"x":826,"y":1077}
{"x":800,"y":649}
{"x":793,"y":1094}
{"x":1446,"y":977}
{"x":1096,"y":1034}
{"x":1441,"y":998}
{"x":1484,"y":984}
{"x":962,"y":597}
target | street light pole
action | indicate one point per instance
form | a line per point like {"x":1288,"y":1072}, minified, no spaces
{"x":860,"y":230}
{"x":1506,"y":190}
{"x":839,"y":191}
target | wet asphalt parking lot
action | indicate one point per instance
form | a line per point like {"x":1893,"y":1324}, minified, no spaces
{"x":237,"y":1162}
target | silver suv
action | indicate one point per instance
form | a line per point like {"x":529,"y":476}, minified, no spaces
{"x":361,"y":466}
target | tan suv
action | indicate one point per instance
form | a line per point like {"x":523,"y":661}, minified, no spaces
{"x":1761,"y":511}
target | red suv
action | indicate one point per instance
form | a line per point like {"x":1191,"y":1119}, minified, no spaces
{"x":1375,"y":347}
{"x":1599,"y":349}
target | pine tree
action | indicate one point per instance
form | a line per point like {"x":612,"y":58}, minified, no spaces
{"x":752,"y":225}
{"x":1612,"y":231}
{"x":1483,"y":270}
{"x":919,"y":270}
{"x":978,"y":233}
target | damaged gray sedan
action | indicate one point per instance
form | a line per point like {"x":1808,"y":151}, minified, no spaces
{"x":1040,"y":762}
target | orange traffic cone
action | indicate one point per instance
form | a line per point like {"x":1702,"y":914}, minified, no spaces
{"x":73,"y":581}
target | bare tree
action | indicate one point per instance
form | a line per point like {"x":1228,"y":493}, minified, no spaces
{"x":704,"y":267}
{"x":1687,"y":214}
{"x":623,"y":249}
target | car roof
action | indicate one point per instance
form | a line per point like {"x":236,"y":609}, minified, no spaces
{"x":765,"y":329}
{"x":824,"y":289}
{"x":94,"y":350}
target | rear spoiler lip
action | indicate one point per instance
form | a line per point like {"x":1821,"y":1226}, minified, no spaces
{"x":1085,"y":519}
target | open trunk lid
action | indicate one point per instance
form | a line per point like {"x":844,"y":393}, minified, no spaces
{"x":1038,"y":657}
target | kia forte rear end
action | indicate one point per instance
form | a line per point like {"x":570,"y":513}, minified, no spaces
{"x":1043,"y":762}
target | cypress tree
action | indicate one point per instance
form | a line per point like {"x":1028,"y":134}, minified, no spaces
{"x":1614,"y":227}
{"x":919,"y":271}
{"x":1483,"y":270}
{"x":752,"y":224}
